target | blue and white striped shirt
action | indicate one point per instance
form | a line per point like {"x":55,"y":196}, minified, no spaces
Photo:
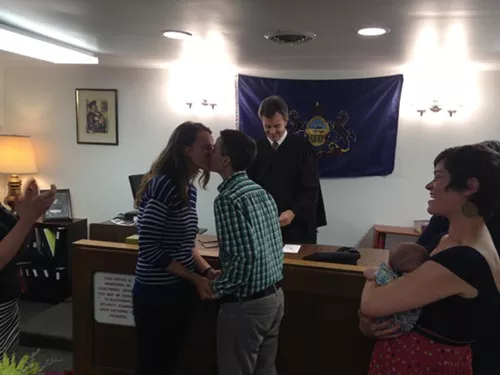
{"x":167,"y":231}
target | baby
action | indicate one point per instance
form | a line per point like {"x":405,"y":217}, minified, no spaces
{"x":403,"y":258}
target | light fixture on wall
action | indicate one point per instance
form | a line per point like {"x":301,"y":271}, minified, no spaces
{"x":38,"y":47}
{"x":437,"y":107}
{"x":204,"y":103}
{"x":17,"y":156}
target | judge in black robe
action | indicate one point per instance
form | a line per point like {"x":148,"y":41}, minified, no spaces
{"x":287,"y":167}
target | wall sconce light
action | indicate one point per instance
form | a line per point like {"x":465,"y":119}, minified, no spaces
{"x":205,"y":103}
{"x":436,"y":107}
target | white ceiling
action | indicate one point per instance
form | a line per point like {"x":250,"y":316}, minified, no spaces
{"x":128,"y":32}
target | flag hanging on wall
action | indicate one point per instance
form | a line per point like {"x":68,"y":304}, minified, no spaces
{"x":352,"y":124}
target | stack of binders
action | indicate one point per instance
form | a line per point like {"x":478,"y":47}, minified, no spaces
{"x":42,"y":266}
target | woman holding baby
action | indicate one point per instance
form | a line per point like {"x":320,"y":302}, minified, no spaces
{"x":457,"y":289}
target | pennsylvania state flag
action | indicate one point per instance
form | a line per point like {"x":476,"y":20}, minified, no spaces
{"x":352,"y":123}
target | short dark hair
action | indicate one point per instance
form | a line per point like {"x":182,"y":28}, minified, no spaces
{"x":240,"y":148}
{"x":272,"y":105}
{"x":494,"y":145}
{"x":474,"y":161}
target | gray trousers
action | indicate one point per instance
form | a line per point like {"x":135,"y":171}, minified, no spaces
{"x":247,"y":335}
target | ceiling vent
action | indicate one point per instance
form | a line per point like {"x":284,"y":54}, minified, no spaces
{"x":290,"y":38}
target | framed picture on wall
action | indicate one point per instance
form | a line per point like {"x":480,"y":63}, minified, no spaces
{"x":61,"y":208}
{"x":97,"y":116}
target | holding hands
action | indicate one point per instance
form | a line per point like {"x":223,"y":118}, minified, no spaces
{"x":204,"y":288}
{"x":212,"y":274}
{"x":203,"y":283}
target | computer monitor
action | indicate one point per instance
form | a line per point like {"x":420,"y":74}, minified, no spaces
{"x":135,"y":183}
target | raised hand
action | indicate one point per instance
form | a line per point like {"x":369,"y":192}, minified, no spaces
{"x":33,"y":204}
{"x":32,"y":189}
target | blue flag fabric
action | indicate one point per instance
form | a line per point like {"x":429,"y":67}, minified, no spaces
{"x":352,"y":123}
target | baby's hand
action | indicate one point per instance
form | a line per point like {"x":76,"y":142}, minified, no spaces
{"x":369,"y":273}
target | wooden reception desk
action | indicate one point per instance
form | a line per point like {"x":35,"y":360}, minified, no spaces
{"x":319,"y":334}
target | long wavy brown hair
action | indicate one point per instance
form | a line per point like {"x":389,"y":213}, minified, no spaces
{"x":173,"y":162}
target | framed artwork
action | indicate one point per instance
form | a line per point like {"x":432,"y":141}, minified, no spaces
{"x":61,"y":208}
{"x":97,"y":116}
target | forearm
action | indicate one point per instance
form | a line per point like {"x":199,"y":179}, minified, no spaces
{"x":234,"y":275}
{"x":200,"y":263}
{"x":224,"y":285}
{"x":366,"y":307}
{"x":12,"y":242}
{"x":153,"y":252}
{"x":178,"y":269}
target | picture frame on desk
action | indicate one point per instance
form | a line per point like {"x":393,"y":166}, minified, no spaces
{"x":61,"y":209}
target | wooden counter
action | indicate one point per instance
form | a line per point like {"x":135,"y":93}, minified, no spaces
{"x":319,"y":334}
{"x":380,"y":233}
{"x":108,"y":231}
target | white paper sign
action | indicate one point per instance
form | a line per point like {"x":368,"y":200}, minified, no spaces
{"x":113,"y":299}
{"x":294,"y":249}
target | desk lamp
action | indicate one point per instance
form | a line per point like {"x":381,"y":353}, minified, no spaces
{"x":17,"y":156}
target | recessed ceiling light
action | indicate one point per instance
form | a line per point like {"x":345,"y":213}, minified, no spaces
{"x":176,"y":34}
{"x":373,"y":31}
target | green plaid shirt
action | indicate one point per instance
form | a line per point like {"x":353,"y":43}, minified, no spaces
{"x":250,"y":242}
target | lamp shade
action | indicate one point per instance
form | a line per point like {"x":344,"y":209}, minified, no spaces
{"x":17,"y":155}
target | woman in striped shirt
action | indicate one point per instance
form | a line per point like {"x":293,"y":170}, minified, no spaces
{"x":166,"y":281}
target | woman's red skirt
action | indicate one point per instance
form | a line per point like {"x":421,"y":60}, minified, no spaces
{"x":413,"y":353}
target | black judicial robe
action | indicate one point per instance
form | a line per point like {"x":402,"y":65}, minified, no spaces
{"x":290,"y":175}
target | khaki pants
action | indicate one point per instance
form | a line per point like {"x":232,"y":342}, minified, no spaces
{"x":247,"y":335}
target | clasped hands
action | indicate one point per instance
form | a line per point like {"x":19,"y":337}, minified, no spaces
{"x":204,"y":286}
